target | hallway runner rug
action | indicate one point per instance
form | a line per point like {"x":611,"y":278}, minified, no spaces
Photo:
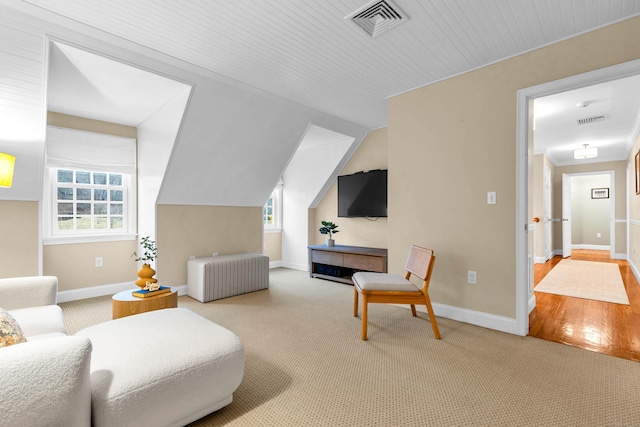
{"x":599,"y":281}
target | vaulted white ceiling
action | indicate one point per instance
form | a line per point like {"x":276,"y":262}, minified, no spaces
{"x":307,"y":52}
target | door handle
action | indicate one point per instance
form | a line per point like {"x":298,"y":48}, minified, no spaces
{"x":565,"y":219}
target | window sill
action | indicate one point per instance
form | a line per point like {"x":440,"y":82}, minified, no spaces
{"x":93,"y":238}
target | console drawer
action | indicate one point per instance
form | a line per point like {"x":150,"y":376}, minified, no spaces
{"x":363,"y":262}
{"x":331,"y":258}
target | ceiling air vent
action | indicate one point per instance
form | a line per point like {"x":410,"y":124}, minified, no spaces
{"x":378,"y":17}
{"x":593,"y":119}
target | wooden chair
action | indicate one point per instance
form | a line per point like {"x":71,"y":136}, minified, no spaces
{"x":395,"y":289}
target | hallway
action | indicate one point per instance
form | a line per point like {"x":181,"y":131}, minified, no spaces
{"x":603,"y":327}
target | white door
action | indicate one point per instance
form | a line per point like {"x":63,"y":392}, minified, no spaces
{"x":566,"y":215}
{"x":547,"y":215}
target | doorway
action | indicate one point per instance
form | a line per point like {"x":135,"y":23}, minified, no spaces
{"x":525,"y":297}
{"x":588,"y":212}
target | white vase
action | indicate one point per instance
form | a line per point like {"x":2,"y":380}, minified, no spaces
{"x":330,"y":242}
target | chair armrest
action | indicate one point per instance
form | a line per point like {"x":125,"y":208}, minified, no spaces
{"x":48,"y":380}
{"x":33,"y":291}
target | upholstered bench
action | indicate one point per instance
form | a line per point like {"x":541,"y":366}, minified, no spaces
{"x":213,"y":278}
{"x":162,"y":368}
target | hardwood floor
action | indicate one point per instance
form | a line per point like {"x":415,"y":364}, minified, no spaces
{"x":598,"y":326}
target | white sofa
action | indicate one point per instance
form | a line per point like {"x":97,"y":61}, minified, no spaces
{"x":107,"y":374}
{"x":44,"y":381}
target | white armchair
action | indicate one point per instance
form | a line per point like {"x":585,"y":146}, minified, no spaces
{"x":44,"y":381}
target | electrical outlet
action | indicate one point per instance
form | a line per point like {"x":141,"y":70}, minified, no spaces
{"x":598,"y":235}
{"x":98,"y":261}
{"x":472,"y":277}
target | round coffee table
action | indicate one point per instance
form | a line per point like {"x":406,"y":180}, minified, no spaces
{"x":125,"y":304}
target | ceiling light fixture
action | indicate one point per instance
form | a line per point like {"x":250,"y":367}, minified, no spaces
{"x":585,"y":153}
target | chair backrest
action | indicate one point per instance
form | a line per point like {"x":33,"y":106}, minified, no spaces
{"x":420,"y":262}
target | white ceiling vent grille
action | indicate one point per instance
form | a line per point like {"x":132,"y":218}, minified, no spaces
{"x":592,"y":119}
{"x":378,"y":17}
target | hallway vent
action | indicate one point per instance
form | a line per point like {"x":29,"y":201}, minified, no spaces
{"x":378,"y":17}
{"x":593,"y":119}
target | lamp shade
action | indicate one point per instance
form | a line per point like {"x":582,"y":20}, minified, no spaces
{"x":585,"y":153}
{"x":7,"y":162}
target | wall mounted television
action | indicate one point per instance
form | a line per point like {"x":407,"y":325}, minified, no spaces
{"x":363,"y":194}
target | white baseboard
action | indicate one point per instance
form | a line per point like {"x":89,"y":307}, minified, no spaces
{"x":294,"y":266}
{"x":592,"y":247}
{"x":635,"y":270}
{"x":275,"y":264}
{"x":485,"y":320}
{"x":532,"y":303}
{"x":539,"y":260}
{"x":98,"y":291}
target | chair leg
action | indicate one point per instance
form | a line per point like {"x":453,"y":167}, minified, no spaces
{"x":355,"y":302}
{"x":365,"y":306}
{"x":432,"y":317}
{"x":413,"y":310}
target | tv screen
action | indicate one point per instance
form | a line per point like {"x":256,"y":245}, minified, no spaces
{"x":363,"y":194}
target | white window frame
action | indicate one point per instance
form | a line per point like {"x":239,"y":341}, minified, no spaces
{"x":52,"y":236}
{"x":276,"y":196}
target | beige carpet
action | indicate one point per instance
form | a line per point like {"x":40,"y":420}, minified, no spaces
{"x":306,"y":366}
{"x":599,"y":281}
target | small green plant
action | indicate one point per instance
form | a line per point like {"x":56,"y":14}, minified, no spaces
{"x":150,"y":250}
{"x":329,"y":228}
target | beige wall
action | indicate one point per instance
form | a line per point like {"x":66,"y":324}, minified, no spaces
{"x":90,"y":125}
{"x":634,"y":210}
{"x":453,"y":141}
{"x":74,"y":264}
{"x":372,"y":154}
{"x":19,"y":231}
{"x":201,"y":230}
{"x":273,"y":246}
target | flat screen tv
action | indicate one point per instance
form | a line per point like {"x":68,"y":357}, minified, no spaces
{"x":363,"y":194}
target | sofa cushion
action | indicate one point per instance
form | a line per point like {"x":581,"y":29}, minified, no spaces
{"x":37,"y":321}
{"x":10,"y":331}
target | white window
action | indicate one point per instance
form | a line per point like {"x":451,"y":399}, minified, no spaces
{"x":89,"y":201}
{"x":89,"y":187}
{"x":272,"y":211}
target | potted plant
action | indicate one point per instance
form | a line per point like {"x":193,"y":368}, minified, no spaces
{"x":329,"y":228}
{"x":148,"y":255}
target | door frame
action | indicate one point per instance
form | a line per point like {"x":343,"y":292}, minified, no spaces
{"x":524,"y":301}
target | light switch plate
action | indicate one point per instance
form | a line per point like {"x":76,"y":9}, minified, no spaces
{"x":491,"y":198}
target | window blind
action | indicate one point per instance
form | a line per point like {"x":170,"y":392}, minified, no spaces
{"x":90,"y":151}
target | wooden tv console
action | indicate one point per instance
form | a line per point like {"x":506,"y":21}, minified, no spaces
{"x":338,"y":263}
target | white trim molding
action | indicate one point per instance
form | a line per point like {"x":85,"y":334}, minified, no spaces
{"x":478,"y":318}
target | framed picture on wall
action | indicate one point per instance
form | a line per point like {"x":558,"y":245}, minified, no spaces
{"x":599,"y":193}
{"x":638,"y":172}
